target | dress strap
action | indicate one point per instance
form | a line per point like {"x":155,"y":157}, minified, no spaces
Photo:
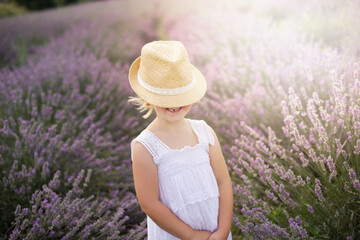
{"x":209,"y":135}
{"x":204,"y":132}
{"x":155,"y":147}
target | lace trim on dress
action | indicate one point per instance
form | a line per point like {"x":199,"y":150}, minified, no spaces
{"x":158,"y":140}
{"x":194,"y":128}
{"x":155,"y":147}
{"x":161,"y":148}
{"x":158,"y":148}
{"x":169,"y":149}
{"x":146,"y":145}
{"x":166,"y":155}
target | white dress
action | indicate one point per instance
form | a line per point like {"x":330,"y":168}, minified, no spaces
{"x":187,"y":184}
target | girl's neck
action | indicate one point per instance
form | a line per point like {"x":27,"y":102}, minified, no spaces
{"x":164,"y":125}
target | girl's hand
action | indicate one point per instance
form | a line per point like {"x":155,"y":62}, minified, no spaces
{"x":217,"y":236}
{"x":200,"y":235}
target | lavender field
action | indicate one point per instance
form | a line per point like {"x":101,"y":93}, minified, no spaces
{"x":283,"y":96}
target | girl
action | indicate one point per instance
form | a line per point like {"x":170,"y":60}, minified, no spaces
{"x":180,"y":175}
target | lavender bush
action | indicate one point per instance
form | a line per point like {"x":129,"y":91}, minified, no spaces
{"x":286,"y":108}
{"x":69,"y":217}
{"x":310,"y":176}
{"x":65,"y":125}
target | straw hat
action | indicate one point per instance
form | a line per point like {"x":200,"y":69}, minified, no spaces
{"x":163,"y":75}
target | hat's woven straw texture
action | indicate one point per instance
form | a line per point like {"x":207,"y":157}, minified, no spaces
{"x":163,"y":75}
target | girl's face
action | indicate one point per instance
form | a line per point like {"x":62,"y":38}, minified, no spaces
{"x":170,"y":115}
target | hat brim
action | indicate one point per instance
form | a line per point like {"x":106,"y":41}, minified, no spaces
{"x":187,"y":98}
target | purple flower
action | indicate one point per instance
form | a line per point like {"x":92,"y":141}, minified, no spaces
{"x":318,"y":190}
{"x":310,"y":208}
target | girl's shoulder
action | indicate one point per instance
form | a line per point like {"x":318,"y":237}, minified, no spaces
{"x":150,"y":142}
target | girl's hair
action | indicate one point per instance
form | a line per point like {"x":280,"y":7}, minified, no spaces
{"x":142,"y":106}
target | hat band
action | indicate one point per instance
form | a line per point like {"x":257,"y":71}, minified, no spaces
{"x":168,"y":91}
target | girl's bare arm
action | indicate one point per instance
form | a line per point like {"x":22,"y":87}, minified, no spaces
{"x":147,"y":192}
{"x":219,"y":167}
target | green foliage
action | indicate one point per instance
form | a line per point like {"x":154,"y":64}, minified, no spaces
{"x":43,"y":4}
{"x":11,"y":9}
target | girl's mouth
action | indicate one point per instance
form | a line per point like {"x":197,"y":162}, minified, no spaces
{"x":174,"y":109}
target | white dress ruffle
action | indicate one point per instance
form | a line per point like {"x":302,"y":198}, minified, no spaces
{"x":187,"y":184}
